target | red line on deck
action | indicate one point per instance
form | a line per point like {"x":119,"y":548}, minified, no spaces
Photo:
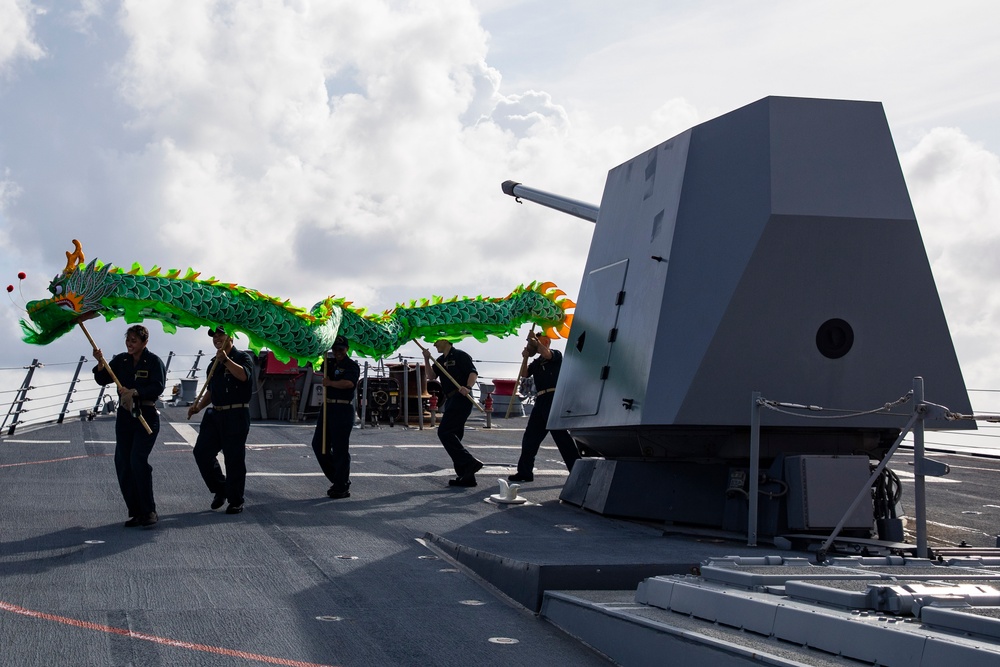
{"x":31,"y":463}
{"x":6,"y":606}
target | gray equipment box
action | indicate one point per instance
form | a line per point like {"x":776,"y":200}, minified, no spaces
{"x":821,"y":488}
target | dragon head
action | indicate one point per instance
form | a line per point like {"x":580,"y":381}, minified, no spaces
{"x":76,"y":291}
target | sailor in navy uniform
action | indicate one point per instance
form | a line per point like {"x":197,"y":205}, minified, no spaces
{"x":226,"y":424}
{"x":340,"y":377}
{"x":143,"y":378}
{"x":457,"y":408}
{"x":545,"y":371}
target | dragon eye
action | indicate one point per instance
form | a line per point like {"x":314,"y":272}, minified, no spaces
{"x":58,"y":290}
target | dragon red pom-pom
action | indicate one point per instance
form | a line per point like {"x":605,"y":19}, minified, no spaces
{"x":21,"y":275}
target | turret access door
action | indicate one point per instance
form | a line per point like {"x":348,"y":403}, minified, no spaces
{"x":588,"y":350}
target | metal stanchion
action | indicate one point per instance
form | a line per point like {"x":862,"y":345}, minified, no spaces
{"x":69,"y":392}
{"x":19,"y":398}
{"x":420,"y":398}
{"x":364,"y":397}
{"x":919,"y":472}
{"x":754,"y":467}
{"x":406,"y":393}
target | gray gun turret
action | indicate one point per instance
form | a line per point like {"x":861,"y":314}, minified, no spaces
{"x":772,"y":249}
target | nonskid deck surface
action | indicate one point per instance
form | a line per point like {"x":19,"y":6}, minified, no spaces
{"x":405,"y":571}
{"x":296,"y":579}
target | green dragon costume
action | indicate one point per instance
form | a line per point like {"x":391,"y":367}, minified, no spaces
{"x":289,"y":331}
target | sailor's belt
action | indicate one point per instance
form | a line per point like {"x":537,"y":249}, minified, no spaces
{"x":545,"y":391}
{"x":148,"y":403}
{"x":231,"y":406}
{"x":338,"y":401}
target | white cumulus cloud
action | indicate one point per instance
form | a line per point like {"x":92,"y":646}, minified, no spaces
{"x":954,"y":185}
{"x":17,"y":38}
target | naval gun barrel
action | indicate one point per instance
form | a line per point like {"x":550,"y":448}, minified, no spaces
{"x":558,"y":202}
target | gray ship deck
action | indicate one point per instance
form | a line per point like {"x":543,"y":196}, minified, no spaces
{"x":406,"y":571}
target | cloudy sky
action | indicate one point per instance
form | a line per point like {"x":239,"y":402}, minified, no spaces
{"x":357,"y":148}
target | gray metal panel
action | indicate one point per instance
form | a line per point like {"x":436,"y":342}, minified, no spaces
{"x":839,"y":593}
{"x":849,"y":636}
{"x":721,"y":606}
{"x":641,"y":642}
{"x":946,"y":651}
{"x":637,"y":220}
{"x":574,"y":490}
{"x":834,"y":158}
{"x":822,"y":488}
{"x":581,"y":381}
{"x":979,"y":621}
{"x":804,"y":272}
{"x":752,"y":576}
{"x":600,"y":488}
{"x":654,"y":193}
{"x":658,"y":490}
{"x":724,"y":206}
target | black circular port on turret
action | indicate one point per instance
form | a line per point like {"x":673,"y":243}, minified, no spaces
{"x":834,"y":338}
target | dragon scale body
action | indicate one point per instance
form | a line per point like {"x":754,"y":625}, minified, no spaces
{"x":290,"y":332}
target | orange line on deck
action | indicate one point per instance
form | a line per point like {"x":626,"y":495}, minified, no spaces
{"x":6,"y":606}
{"x":31,"y":463}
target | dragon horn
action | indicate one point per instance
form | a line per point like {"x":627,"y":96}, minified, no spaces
{"x":75,"y":258}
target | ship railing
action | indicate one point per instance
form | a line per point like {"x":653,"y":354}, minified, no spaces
{"x":44,"y":393}
{"x":48,"y":392}
{"x":923,"y":467}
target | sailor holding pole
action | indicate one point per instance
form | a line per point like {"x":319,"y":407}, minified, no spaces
{"x":457,"y":368}
{"x":332,"y":437}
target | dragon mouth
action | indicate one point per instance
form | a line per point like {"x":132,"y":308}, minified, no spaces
{"x":50,"y":318}
{"x":64,"y":303}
